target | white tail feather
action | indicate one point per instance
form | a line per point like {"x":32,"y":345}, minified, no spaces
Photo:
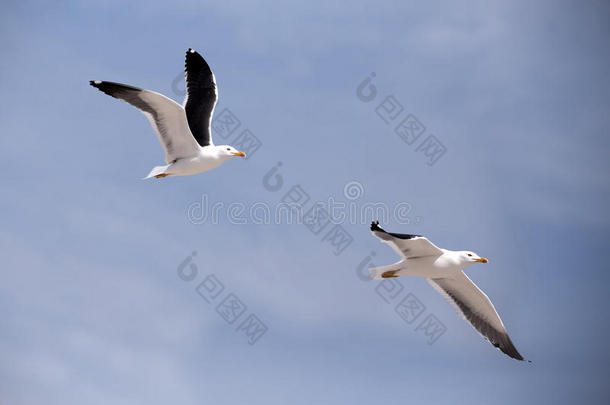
{"x":376,"y":272}
{"x":157,"y":170}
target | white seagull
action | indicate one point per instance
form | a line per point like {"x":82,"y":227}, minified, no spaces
{"x":443,"y":270}
{"x":184,"y":131}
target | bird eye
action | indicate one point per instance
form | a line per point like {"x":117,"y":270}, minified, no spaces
{"x":469,"y":254}
{"x":228,"y":148}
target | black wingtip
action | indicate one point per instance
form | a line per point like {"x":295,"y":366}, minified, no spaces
{"x":375,"y":226}
{"x":192,"y":57}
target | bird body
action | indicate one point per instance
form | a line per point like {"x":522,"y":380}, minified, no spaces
{"x":444,"y":271}
{"x":445,"y":264}
{"x":206,"y":158}
{"x":184,"y":131}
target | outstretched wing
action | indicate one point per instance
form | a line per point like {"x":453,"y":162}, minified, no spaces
{"x":407,"y":246}
{"x":201,"y":96}
{"x":167,"y":117}
{"x":474,"y":305}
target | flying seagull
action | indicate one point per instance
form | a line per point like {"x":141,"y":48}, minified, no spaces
{"x":183,"y":130}
{"x":443,"y":270}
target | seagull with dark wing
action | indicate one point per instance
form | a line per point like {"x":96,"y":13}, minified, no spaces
{"x":443,"y":270}
{"x":184,"y":131}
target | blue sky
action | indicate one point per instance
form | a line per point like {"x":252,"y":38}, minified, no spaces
{"x":94,"y":310}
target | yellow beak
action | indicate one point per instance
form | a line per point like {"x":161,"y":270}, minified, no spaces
{"x":242,"y":154}
{"x":481,"y":260}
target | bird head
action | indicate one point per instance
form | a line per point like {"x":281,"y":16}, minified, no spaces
{"x":469,"y":258}
{"x":228,"y":151}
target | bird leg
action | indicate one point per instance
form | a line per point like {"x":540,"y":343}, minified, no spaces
{"x":158,"y":176}
{"x":389,"y":274}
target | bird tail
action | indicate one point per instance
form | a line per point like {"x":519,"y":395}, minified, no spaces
{"x":377,"y":272}
{"x":157,"y":170}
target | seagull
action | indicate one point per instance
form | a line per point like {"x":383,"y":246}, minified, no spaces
{"x":184,"y":131}
{"x":443,"y":270}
